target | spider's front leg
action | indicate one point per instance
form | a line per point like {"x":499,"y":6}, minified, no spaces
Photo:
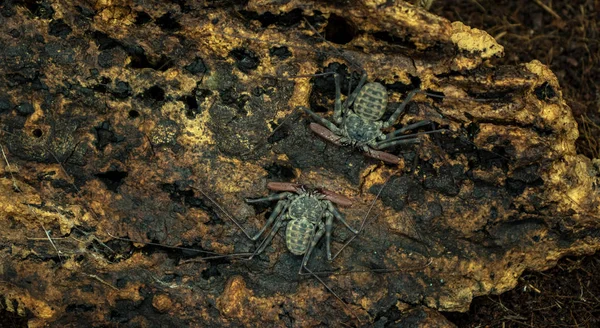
{"x":403,"y":129}
{"x":280,"y":208}
{"x":337,"y":109}
{"x":340,"y":110}
{"x":402,"y":140}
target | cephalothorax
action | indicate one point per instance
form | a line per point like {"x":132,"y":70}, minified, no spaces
{"x":361,"y":126}
{"x":309,"y":214}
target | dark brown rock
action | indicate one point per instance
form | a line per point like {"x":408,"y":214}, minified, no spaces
{"x":130,"y":134}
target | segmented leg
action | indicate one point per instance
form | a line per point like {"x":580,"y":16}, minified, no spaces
{"x":328,"y":227}
{"x":322,"y":121}
{"x":267,"y":241}
{"x":403,"y":139}
{"x":317,"y":236}
{"x":337,"y":111}
{"x":339,"y":216}
{"x":406,"y":128}
{"x":396,"y":141}
{"x":400,"y":109}
{"x":328,"y":135}
{"x":354,"y":94}
{"x":279,"y":208}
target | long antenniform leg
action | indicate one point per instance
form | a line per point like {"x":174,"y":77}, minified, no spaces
{"x":315,"y":239}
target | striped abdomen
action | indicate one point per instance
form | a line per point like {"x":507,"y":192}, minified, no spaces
{"x":297,"y":235}
{"x":371,"y":101}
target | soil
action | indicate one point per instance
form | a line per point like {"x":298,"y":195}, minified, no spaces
{"x":565,"y":35}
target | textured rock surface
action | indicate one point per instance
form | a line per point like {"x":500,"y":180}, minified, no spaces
{"x":146,"y":106}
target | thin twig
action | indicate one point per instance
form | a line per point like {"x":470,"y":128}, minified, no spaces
{"x":229,"y":216}
{"x":548,"y":9}
{"x":100,"y":280}
{"x":364,"y":221}
{"x":49,"y":238}
{"x":14,"y":181}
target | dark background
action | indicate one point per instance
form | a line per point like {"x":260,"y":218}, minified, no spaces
{"x":565,"y":35}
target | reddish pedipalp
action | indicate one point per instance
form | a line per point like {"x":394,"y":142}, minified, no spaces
{"x":381,"y":155}
{"x":336,"y":198}
{"x":283,"y":186}
{"x":325,"y":133}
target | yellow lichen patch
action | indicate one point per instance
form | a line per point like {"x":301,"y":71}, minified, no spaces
{"x":117,"y":12}
{"x":543,"y":71}
{"x":162,"y":303}
{"x":221,"y":248}
{"x":284,"y":158}
{"x":470,"y":223}
{"x":232,"y":175}
{"x":302,"y":88}
{"x":239,"y":302}
{"x":463,"y":63}
{"x":32,"y":217}
{"x":9,"y":305}
{"x":365,"y":303}
{"x":575,"y":190}
{"x":475,"y":40}
{"x":130,"y":292}
{"x":398,"y":222}
{"x":196,"y":132}
{"x":375,"y":175}
{"x":39,"y":308}
{"x":8,"y":206}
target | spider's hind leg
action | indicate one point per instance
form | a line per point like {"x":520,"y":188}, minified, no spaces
{"x":404,"y":140}
{"x":406,"y":128}
{"x":400,"y":109}
{"x":281,"y":217}
{"x":315,"y":239}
